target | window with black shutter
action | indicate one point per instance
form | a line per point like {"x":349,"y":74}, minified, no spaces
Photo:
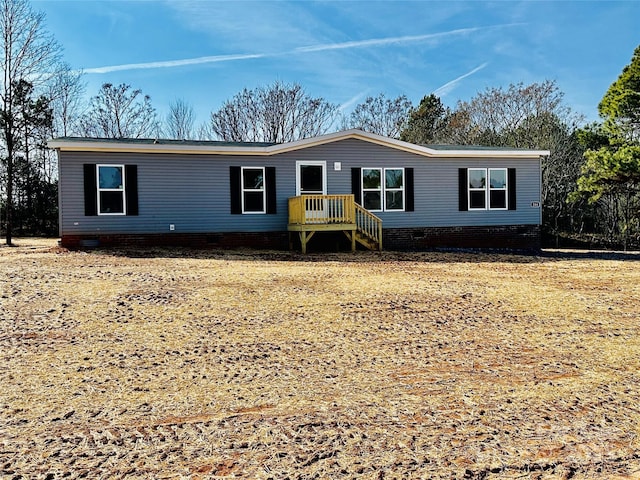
{"x":110,"y":189}
{"x":252,"y":190}
{"x":383,"y":189}
{"x":487,"y":189}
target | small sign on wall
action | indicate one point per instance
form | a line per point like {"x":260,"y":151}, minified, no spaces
{"x":535,"y":204}
{"x":337,"y":166}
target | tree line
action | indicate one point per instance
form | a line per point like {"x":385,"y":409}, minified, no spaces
{"x":590,"y":181}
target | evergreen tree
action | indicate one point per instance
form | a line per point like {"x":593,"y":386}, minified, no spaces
{"x":611,"y":172}
{"x":620,"y":106}
{"x":427,"y":122}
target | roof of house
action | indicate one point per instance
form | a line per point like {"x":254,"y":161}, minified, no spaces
{"x":266,"y":149}
{"x":157,"y":141}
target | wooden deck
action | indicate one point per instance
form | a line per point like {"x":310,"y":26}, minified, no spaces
{"x":309,"y":214}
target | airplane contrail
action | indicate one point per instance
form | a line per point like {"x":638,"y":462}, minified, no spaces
{"x":388,"y":40}
{"x":175,"y":63}
{"x":295,"y":51}
{"x":447,"y":87}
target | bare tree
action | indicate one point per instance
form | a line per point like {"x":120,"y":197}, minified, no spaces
{"x":560,"y":170}
{"x":381,"y":115}
{"x":180,"y":120}
{"x":204,"y":132}
{"x":497,"y":116}
{"x":27,"y":52}
{"x":119,"y":112}
{"x":65,"y":91}
{"x":528,"y":116}
{"x":276,"y":113}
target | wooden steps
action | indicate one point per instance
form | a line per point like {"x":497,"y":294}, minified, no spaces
{"x":309,"y":214}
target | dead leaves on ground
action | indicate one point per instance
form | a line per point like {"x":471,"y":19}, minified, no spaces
{"x":200,"y":364}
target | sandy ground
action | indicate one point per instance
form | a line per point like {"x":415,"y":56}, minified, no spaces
{"x":241,"y":364}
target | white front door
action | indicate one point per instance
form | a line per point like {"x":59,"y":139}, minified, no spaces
{"x":311,"y":179}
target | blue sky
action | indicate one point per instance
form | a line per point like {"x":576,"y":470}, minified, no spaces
{"x":204,"y":52}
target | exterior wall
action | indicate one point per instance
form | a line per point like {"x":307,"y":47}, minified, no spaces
{"x":192,"y":192}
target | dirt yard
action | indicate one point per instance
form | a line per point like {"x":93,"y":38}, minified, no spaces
{"x":166,"y":364}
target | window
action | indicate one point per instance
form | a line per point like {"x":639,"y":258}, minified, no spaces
{"x":498,"y":188}
{"x":383,"y":189}
{"x":372,"y":189}
{"x":253,"y":191}
{"x":394,"y":189}
{"x":491,"y":194}
{"x":477,"y":188}
{"x":111,"y":190}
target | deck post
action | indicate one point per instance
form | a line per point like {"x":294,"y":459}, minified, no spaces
{"x":303,"y":241}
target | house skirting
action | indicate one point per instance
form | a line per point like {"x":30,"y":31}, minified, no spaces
{"x":509,"y":237}
{"x":505,"y":237}
{"x":265,"y":240}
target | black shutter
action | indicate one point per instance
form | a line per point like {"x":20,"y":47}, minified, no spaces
{"x":235,"y":191}
{"x":463,"y":198}
{"x":408,"y":190}
{"x":90,"y":190}
{"x":270,"y":185}
{"x":511,"y":183}
{"x":131,"y":185}
{"x":356,"y":184}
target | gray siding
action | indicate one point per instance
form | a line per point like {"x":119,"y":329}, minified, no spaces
{"x":192,"y":191}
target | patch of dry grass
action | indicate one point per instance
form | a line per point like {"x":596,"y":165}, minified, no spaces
{"x":202,"y":364}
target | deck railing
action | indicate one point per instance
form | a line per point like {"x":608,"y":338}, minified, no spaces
{"x":321,"y":209}
{"x":369,"y":225}
{"x":310,"y":213}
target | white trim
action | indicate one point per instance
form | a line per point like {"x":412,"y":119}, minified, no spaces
{"x":322,"y":163}
{"x":213,"y":149}
{"x":263,"y":190}
{"x":123,"y":190}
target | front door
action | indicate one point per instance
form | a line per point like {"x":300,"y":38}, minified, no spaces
{"x":311,"y":179}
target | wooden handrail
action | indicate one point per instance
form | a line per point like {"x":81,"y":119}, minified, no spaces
{"x":315,"y":209}
{"x":369,"y":225}
{"x":308,"y":213}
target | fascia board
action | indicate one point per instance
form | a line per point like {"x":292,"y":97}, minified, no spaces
{"x":431,"y":152}
{"x":124,"y":147}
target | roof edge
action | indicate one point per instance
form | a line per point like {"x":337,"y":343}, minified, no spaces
{"x":262,"y":149}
